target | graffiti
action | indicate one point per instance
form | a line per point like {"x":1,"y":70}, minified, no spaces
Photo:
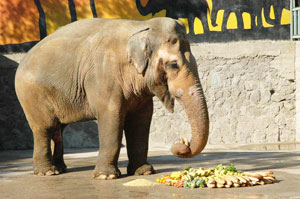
{"x":24,"y":23}
{"x":259,"y":13}
{"x":202,"y":16}
{"x":177,"y":9}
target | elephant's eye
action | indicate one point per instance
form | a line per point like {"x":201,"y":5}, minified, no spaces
{"x":172,"y":65}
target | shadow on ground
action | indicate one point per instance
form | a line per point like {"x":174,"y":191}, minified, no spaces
{"x":244,"y":161}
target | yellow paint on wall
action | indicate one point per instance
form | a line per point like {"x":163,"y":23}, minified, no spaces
{"x":186,"y":24}
{"x":219,"y":21}
{"x":161,"y":13}
{"x":113,"y":9}
{"x":272,"y":13}
{"x":19,"y":22}
{"x":198,"y":27}
{"x":285,"y":17}
{"x":232,"y":21}
{"x":210,"y":5}
{"x":83,"y":9}
{"x":57,"y":14}
{"x":247,"y":20}
{"x":264,"y":22}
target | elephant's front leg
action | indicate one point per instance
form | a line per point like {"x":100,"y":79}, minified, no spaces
{"x":110,"y":127}
{"x":137,"y":126}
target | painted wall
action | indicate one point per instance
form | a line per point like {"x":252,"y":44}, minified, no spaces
{"x":226,"y":20}
{"x":24,"y":23}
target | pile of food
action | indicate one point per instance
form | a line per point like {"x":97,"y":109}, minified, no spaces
{"x":140,"y":183}
{"x":219,"y":177}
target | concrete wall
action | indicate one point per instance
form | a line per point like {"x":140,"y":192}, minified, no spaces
{"x":297,"y":68}
{"x":249,"y":87}
{"x":250,"y":91}
{"x":14,"y":130}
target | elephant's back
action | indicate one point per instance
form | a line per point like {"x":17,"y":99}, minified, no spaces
{"x":58,"y":51}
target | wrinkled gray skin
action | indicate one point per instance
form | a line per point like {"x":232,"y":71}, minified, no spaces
{"x":110,"y":70}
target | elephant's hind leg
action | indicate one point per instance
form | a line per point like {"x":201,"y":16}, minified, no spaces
{"x":42,"y":157}
{"x":43,"y":124}
{"x":58,"y":151}
{"x":137,"y":126}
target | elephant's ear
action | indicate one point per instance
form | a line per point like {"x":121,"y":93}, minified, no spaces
{"x":139,"y":50}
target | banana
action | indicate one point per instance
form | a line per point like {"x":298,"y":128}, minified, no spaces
{"x":265,"y":173}
{"x":252,"y":174}
{"x":186,"y":142}
{"x":220,"y":180}
{"x":211,"y":185}
{"x":181,"y":141}
{"x":241,"y":179}
{"x":211,"y":181}
{"x":220,"y":185}
{"x":233,"y":179}
{"x":219,"y":177}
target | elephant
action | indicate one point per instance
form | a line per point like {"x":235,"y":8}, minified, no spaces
{"x":109,"y":70}
{"x":177,"y":9}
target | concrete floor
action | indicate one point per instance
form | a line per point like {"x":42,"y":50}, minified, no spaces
{"x":17,"y":180}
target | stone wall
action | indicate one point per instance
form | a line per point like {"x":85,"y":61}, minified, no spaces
{"x":249,"y":88}
{"x":297,"y":68}
{"x":14,"y":130}
{"x":250,"y":92}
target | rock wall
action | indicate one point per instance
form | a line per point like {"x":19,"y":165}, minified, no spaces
{"x":250,"y":92}
{"x":14,"y":130}
{"x":249,"y":88}
{"x":297,"y":68}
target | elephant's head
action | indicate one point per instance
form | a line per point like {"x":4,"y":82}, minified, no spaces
{"x":162,"y":56}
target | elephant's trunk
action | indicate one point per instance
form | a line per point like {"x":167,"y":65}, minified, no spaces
{"x":194,"y":104}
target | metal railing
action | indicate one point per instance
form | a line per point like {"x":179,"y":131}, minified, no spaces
{"x":295,"y":21}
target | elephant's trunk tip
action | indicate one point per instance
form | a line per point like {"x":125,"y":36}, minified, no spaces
{"x":183,"y":149}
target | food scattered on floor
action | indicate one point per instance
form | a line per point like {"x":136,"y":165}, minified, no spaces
{"x":219,"y":177}
{"x":140,"y":183}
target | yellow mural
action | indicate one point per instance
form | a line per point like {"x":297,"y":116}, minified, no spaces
{"x":83,"y":9}
{"x":247,"y":20}
{"x":264,"y":22}
{"x":186,"y":24}
{"x":232,"y":22}
{"x":19,"y":22}
{"x":57,"y":17}
{"x":26,"y":21}
{"x":198,"y":27}
{"x":219,"y":21}
{"x":285,"y":19}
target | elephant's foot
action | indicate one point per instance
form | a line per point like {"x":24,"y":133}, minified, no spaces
{"x":146,"y":169}
{"x":106,"y":173}
{"x":46,"y":170}
{"x":60,"y":165}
